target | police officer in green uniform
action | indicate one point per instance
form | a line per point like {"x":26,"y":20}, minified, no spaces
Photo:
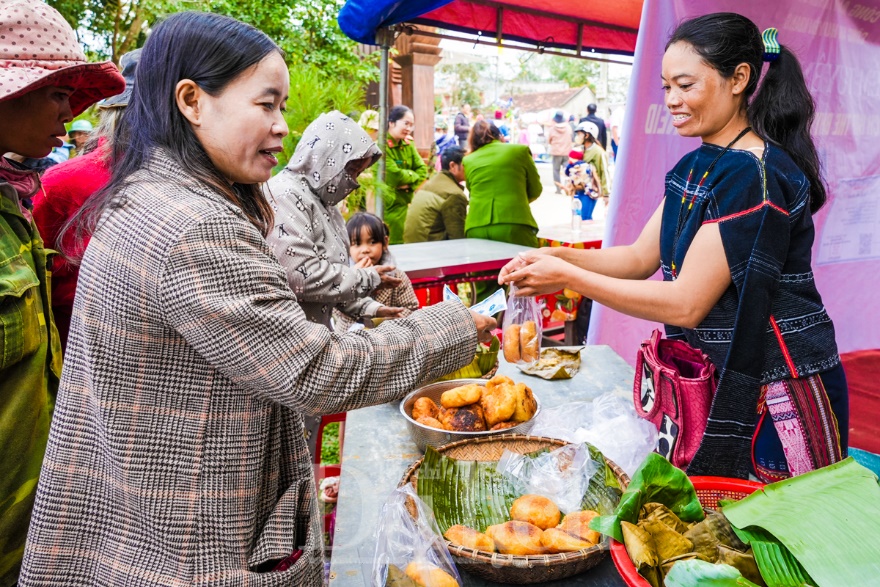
{"x":404,"y":170}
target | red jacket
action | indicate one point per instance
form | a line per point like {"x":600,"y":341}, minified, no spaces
{"x":66,"y":187}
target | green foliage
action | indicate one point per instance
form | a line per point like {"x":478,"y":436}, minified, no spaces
{"x":330,"y":444}
{"x":306,"y":30}
{"x":465,"y":82}
{"x":313,"y":92}
{"x":575,"y":72}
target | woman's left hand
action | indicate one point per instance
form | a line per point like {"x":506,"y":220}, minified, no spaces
{"x":542,"y":274}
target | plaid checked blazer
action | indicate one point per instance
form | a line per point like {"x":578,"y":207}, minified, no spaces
{"x":176,"y":455}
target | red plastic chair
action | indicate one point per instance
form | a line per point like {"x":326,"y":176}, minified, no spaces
{"x":321,"y":470}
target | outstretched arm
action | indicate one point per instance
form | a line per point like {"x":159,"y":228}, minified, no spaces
{"x":684,"y":302}
{"x":639,"y":260}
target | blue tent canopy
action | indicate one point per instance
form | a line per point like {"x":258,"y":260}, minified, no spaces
{"x":359,"y":19}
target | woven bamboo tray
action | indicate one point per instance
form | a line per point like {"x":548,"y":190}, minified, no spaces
{"x":506,"y":568}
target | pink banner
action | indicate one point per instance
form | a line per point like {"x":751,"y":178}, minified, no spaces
{"x":838,"y":43}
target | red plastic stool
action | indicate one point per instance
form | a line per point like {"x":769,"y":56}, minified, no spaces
{"x":321,"y":470}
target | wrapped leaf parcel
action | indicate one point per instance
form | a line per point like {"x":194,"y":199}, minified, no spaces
{"x":555,"y":363}
{"x":656,"y":480}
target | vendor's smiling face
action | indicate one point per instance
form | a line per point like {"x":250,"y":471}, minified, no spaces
{"x":702,"y":102}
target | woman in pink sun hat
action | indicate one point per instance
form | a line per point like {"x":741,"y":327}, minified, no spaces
{"x":44,"y":82}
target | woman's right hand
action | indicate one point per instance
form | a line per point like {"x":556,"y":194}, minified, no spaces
{"x":388,"y":279}
{"x":519,"y":262}
{"x":485,"y":326}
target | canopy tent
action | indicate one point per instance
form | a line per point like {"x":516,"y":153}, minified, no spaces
{"x":603,"y":27}
{"x":580,"y":27}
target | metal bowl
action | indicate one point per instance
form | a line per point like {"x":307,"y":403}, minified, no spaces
{"x":425,"y":435}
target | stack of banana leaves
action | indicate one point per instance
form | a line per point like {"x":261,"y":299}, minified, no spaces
{"x":476,"y":495}
{"x":821,"y":529}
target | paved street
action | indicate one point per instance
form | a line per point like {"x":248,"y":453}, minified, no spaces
{"x":554,"y":209}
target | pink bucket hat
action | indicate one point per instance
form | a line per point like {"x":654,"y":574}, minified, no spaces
{"x":38,"y":48}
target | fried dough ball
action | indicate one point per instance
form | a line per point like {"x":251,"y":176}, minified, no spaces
{"x":516,"y":538}
{"x":458,"y":397}
{"x":427,"y":575}
{"x":526,"y":406}
{"x":511,"y":343}
{"x":578,"y":524}
{"x":466,"y":419}
{"x":504,"y":425}
{"x":470,"y":538}
{"x":555,"y":540}
{"x":498,"y":403}
{"x":499,"y":380}
{"x":424,"y":407}
{"x":536,"y":510}
{"x":528,"y":341}
{"x":431,"y":422}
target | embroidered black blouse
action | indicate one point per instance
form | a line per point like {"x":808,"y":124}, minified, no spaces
{"x":770,"y":324}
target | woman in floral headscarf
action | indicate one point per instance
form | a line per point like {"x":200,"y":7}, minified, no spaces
{"x":44,"y":82}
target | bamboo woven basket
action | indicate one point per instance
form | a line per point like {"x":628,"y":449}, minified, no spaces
{"x":505,"y":568}
{"x":710,"y":490}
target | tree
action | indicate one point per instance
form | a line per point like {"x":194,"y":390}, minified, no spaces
{"x":306,"y":30}
{"x":575,"y":72}
{"x":465,"y":82}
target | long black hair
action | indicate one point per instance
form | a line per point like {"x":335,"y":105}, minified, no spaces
{"x":782,"y":109}
{"x":209,"y":49}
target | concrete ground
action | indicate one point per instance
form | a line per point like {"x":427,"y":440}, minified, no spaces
{"x":553,"y":209}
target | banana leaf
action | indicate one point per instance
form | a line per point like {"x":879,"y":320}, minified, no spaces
{"x":474,"y":494}
{"x":397,"y":578}
{"x":555,"y":363}
{"x":656,"y":480}
{"x":777,"y":565}
{"x":697,"y":573}
{"x":642,"y":552}
{"x":827,"y":519}
{"x":661,"y":513}
{"x":484,"y":361}
{"x":744,"y":562}
{"x":713,"y":531}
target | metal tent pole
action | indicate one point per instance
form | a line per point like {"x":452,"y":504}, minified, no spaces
{"x":384,"y":36}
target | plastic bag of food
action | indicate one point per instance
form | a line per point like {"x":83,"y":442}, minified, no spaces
{"x":410,"y":551}
{"x":521,"y":338}
{"x":609,"y":423}
{"x":561,"y":475}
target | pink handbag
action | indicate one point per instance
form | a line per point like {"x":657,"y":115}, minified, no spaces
{"x":673,"y":389}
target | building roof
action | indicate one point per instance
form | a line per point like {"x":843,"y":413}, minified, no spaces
{"x":539,"y":101}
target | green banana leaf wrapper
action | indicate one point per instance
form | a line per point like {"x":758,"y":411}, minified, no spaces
{"x":555,"y":363}
{"x":826,"y":519}
{"x":656,"y":480}
{"x":697,"y":573}
{"x":484,"y":361}
{"x":474,"y":494}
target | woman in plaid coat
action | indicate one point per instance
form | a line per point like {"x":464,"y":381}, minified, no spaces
{"x":176,"y":456}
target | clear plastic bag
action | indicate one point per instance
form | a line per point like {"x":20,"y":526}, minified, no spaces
{"x":561,"y":475}
{"x":609,"y":423}
{"x":522,"y":329}
{"x":409,"y":546}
